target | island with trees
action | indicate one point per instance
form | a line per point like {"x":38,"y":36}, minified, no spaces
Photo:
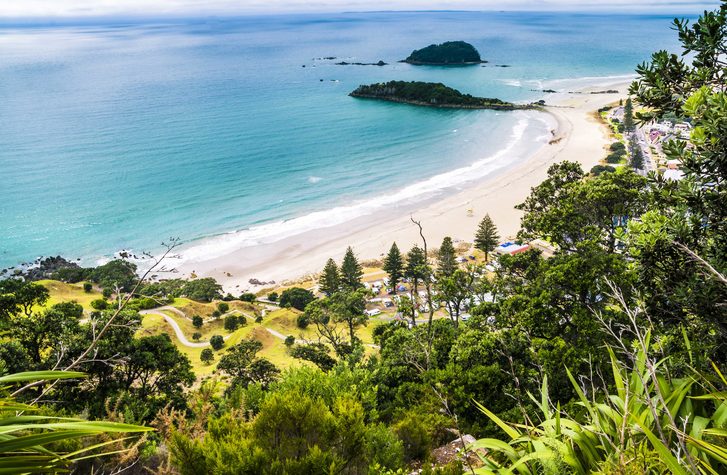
{"x":449,"y":53}
{"x":432,"y":94}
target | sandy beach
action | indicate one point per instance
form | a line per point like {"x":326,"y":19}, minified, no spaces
{"x":579,"y":137}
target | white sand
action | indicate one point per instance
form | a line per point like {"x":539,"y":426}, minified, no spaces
{"x":582,"y":139}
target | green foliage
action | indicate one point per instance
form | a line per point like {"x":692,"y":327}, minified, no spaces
{"x":72,"y":274}
{"x":233,"y":322}
{"x":351,"y":271}
{"x":202,"y":290}
{"x":394,"y":266}
{"x":87,"y":287}
{"x":273,"y":296}
{"x":289,"y":340}
{"x":628,"y":121}
{"x":486,"y":238}
{"x":115,"y":273}
{"x":242,"y":364}
{"x":302,"y":321}
{"x":207,"y":356}
{"x":598,"y":169}
{"x":17,"y":296}
{"x":296,"y":297}
{"x":417,"y":268}
{"x":30,"y":442}
{"x":197,"y":321}
{"x":196,"y":336}
{"x":248,"y":297}
{"x":316,"y":353}
{"x":430,"y":94}
{"x":217,"y":342}
{"x":330,"y":280}
{"x":448,"y":53}
{"x":223,"y":307}
{"x":99,"y":304}
{"x":446,"y":258}
{"x":164,"y":289}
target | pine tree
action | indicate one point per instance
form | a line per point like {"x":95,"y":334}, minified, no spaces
{"x":394,"y":266}
{"x":446,"y":258}
{"x":416,"y":265}
{"x":486,"y":238}
{"x":628,"y":116}
{"x":637,"y":156}
{"x":330,"y":280}
{"x":351,"y":271}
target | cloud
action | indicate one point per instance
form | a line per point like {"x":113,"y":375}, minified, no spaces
{"x":91,"y":8}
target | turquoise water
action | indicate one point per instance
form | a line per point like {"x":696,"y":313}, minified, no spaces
{"x":117,"y":136}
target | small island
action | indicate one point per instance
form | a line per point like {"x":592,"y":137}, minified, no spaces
{"x":450,"y":53}
{"x":431,"y":95}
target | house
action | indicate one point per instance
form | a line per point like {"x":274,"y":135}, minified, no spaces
{"x":511,"y":248}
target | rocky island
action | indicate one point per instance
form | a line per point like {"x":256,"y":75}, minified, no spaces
{"x":432,"y":95}
{"x":450,"y":53}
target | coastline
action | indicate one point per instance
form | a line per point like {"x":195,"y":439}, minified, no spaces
{"x":578,"y":136}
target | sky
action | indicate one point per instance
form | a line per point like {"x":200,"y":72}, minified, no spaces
{"x":104,"y":8}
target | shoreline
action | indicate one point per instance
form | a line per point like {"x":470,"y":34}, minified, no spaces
{"x":578,"y":136}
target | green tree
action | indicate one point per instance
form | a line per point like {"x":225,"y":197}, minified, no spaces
{"x":196,"y":336}
{"x":20,"y":296}
{"x":87,"y":287}
{"x":330,"y":280}
{"x":207,"y":356}
{"x":217,"y":342}
{"x":197,"y":321}
{"x":417,"y":268}
{"x":486,"y":238}
{"x":629,"y":116}
{"x":231,"y":323}
{"x":296,"y":297}
{"x":351,"y":271}
{"x":223,"y":307}
{"x":394,"y":266}
{"x":273,"y":296}
{"x":115,"y":273}
{"x":455,"y":290}
{"x":446,"y":258}
{"x":316,"y":353}
{"x":242,"y":364}
{"x":203,"y":290}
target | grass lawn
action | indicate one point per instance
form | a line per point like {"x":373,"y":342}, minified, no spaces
{"x":62,"y":292}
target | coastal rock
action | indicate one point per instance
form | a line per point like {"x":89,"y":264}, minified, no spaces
{"x":379,"y":63}
{"x":42,"y":268}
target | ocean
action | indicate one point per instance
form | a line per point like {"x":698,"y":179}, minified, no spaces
{"x":235,"y":131}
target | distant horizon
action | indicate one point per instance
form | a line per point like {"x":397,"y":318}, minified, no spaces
{"x":150,"y":18}
{"x":78,"y":10}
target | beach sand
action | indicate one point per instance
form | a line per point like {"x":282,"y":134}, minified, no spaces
{"x":579,"y":137}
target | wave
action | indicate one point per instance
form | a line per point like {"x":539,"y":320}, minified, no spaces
{"x":216,"y":246}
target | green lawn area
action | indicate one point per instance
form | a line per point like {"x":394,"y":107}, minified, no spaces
{"x":62,"y":292}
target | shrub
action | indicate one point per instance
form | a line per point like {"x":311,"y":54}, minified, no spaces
{"x":273,"y":296}
{"x":197,"y":321}
{"x":242,"y":320}
{"x":203,"y":290}
{"x":614,"y":157}
{"x":289,"y":340}
{"x":598,"y":169}
{"x":259,"y":319}
{"x":107,"y":293}
{"x":87,"y":286}
{"x":145,"y":303}
{"x":617,"y":147}
{"x":217,"y":342}
{"x":115,"y":273}
{"x":247,"y":297}
{"x":196,"y":336}
{"x":207,"y":356}
{"x":215,"y":314}
{"x":223,"y":307}
{"x":296,"y":297}
{"x":99,"y":304}
{"x":228,"y":297}
{"x":303,"y":321}
{"x":231,"y":323}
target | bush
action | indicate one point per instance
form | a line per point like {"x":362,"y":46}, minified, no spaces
{"x":87,"y":287}
{"x":598,"y":169}
{"x":217,"y":342}
{"x":273,"y":296}
{"x":196,"y":336}
{"x":618,"y":147}
{"x":115,"y":273}
{"x":259,"y":319}
{"x":223,"y":307}
{"x":296,"y":297}
{"x":207,"y":356}
{"x":248,"y":297}
{"x":289,"y":340}
{"x":231,"y":323}
{"x":242,"y":320}
{"x":215,"y":314}
{"x":146,"y":303}
{"x":228,"y":297}
{"x":203,"y":290}
{"x":197,"y":321}
{"x":303,"y":321}
{"x":107,"y":293}
{"x":99,"y":304}
{"x":415,"y":437}
{"x":614,"y":157}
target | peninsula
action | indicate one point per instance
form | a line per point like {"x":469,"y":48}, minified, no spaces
{"x":431,"y":94}
{"x":450,"y":53}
